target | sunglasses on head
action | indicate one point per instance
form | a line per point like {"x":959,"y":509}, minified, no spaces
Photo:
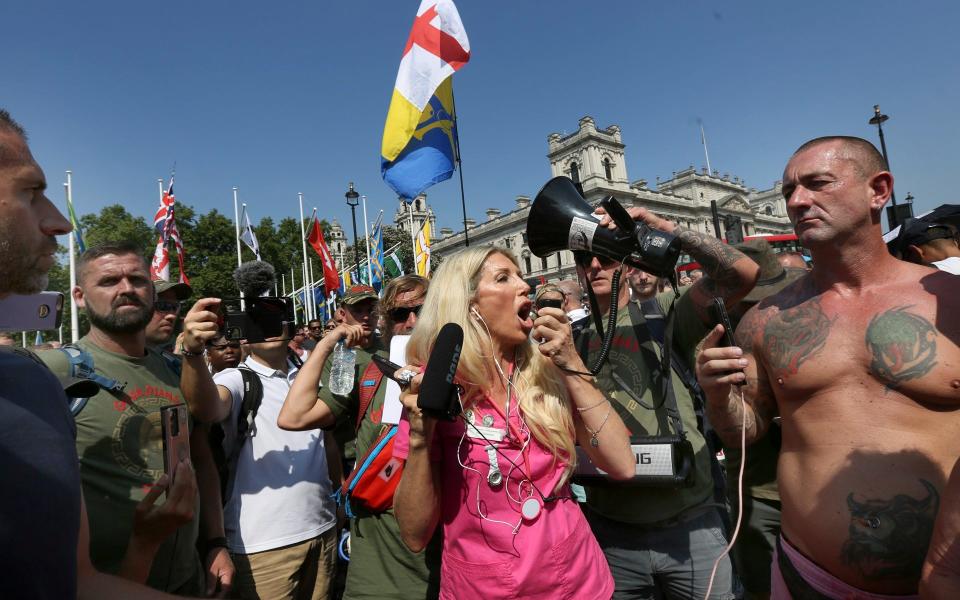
{"x":166,"y":306}
{"x":402,"y":313}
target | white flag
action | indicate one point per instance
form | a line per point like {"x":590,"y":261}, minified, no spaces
{"x":247,"y":236}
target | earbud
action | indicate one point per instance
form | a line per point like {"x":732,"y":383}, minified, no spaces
{"x":475,"y":312}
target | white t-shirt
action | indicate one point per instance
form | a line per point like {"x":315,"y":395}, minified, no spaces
{"x":281,"y":490}
{"x":950,"y":265}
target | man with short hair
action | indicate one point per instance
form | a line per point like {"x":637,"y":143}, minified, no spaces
{"x":45,"y":539}
{"x":314,"y":333}
{"x":279,"y":517}
{"x":859,"y":358}
{"x":573,"y":304}
{"x":661,"y":541}
{"x":934,"y":244}
{"x":223,"y":354}
{"x":381,"y":566}
{"x":119,"y":439}
{"x":643,"y":285}
{"x":166,"y":312}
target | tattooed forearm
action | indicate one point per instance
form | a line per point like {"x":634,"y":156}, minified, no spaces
{"x":889,"y":536}
{"x":903,"y":346}
{"x":794,"y":335}
{"x":715,"y":257}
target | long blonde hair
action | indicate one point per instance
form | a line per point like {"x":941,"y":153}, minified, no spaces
{"x":543,"y":398}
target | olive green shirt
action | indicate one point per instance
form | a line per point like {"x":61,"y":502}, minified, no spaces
{"x":120,"y":446}
{"x":390,"y":569}
{"x":646,"y":505}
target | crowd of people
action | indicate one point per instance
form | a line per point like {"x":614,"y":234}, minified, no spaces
{"x":824,"y":438}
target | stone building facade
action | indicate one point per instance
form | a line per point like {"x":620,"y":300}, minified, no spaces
{"x":595,"y":159}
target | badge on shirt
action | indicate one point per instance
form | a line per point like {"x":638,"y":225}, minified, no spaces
{"x":492,"y":434}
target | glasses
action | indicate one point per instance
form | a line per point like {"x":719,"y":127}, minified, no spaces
{"x":585,"y":258}
{"x":166,"y":306}
{"x":402,"y":313}
{"x":222,"y":347}
{"x":315,"y":327}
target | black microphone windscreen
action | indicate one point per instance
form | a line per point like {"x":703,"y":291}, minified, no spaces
{"x":436,"y":392}
{"x":255,"y":278}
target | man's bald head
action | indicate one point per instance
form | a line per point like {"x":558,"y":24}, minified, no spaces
{"x":859,"y":151}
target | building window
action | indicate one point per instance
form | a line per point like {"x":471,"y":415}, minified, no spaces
{"x":506,"y":243}
{"x":575,"y":172}
{"x":543,"y":263}
{"x":607,"y":170}
{"x":526,"y":263}
{"x":768,"y":209}
{"x":523,"y":236}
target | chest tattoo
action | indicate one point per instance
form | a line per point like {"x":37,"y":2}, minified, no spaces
{"x":902,"y":346}
{"x":792,"y":336}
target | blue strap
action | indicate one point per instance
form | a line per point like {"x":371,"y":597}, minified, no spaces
{"x":81,"y":365}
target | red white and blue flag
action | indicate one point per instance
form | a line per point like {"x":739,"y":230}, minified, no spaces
{"x":166,"y":225}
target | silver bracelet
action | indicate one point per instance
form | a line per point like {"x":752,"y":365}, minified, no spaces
{"x":593,"y":434}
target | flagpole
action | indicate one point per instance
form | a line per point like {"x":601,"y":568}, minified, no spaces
{"x":293,"y":292}
{"x":413,"y":237}
{"x":366,"y":233}
{"x":236,"y":224}
{"x":703,"y":138}
{"x":313,"y":282}
{"x":160,"y":186}
{"x":456,"y":149}
{"x":283,"y":281}
{"x":303,"y":243}
{"x":74,"y":318}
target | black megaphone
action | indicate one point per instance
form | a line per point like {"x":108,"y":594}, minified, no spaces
{"x":560,"y":219}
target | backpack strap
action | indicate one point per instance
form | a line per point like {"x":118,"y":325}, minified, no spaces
{"x":369,"y":383}
{"x":81,"y":366}
{"x":249,"y":405}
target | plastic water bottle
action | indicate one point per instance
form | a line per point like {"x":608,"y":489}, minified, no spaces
{"x":342,"y":370}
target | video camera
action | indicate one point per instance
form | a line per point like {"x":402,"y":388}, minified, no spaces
{"x":263,"y":318}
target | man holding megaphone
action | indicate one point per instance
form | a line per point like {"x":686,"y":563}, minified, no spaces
{"x":661,"y":532}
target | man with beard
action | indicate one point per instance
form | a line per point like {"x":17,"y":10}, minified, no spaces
{"x":44,"y":540}
{"x":381,"y":566}
{"x":119,"y":439}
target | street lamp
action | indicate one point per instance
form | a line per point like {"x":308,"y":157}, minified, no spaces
{"x":893,"y":214}
{"x":353,"y":200}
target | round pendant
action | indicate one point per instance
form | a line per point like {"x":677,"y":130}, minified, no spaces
{"x":469,"y":415}
{"x":530,"y":509}
{"x":488,"y":421}
{"x":494,"y":478}
{"x":594,"y":442}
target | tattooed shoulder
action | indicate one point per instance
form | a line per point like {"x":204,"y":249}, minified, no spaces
{"x":889,"y":536}
{"x":902,"y":345}
{"x":794,"y":335}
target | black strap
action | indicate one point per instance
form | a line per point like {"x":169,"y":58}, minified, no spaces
{"x":667,"y":396}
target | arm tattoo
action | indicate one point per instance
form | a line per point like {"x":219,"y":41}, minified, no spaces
{"x":715,"y":257}
{"x":903,"y":346}
{"x":794,"y":335}
{"x":889,"y":536}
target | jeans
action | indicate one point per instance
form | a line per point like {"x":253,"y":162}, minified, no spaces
{"x":669,"y":562}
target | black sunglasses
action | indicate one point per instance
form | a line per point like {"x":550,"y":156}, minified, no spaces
{"x":584,"y":259}
{"x":402,"y":313}
{"x":166,"y":306}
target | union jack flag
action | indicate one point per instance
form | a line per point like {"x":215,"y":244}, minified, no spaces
{"x":166,"y":225}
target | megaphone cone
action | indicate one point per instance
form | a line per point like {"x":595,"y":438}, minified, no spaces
{"x":560,"y":219}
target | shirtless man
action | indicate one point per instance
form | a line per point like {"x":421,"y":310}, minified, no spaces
{"x":860,"y":359}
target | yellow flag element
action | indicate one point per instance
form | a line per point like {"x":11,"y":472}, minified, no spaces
{"x":422,"y":250}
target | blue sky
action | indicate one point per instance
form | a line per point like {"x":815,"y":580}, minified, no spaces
{"x":284,"y":97}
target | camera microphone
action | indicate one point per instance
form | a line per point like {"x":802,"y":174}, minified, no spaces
{"x":438,"y":397}
{"x":255,"y":278}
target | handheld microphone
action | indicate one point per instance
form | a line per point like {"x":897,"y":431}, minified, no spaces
{"x":438,"y":397}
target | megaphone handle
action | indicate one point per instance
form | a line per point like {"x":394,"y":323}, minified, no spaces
{"x":619,"y":215}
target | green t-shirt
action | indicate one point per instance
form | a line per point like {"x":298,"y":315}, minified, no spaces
{"x":389,"y":569}
{"x":643,"y":505}
{"x":120,"y":445}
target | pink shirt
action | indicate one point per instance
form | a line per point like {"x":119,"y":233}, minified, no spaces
{"x":552,"y":556}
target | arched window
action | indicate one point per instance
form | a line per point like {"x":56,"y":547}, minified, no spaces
{"x":607,"y":170}
{"x":768,"y":209}
{"x":575,"y":172}
{"x":526,"y":263}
